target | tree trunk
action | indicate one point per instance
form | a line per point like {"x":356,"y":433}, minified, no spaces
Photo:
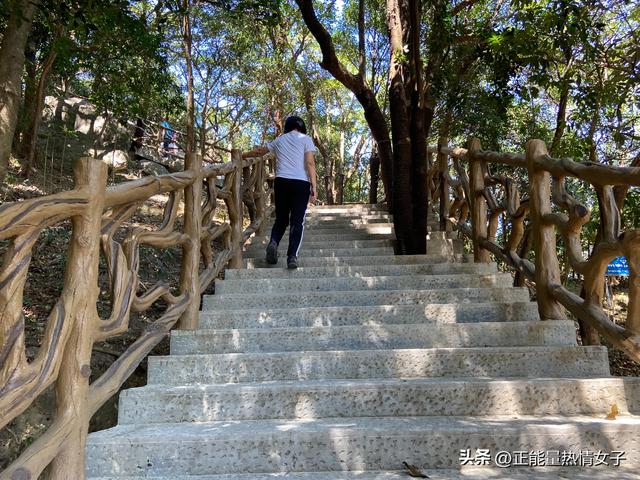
{"x":380,"y":133}
{"x":356,"y":83}
{"x":340,"y":188}
{"x":419,"y":168}
{"x":12,"y":59}
{"x":561,"y":118}
{"x":189,"y":283}
{"x":31,"y":134}
{"x":374,"y":169}
{"x":409,"y":124}
{"x":28,"y":98}
{"x":311,"y":127}
{"x":400,"y":128}
{"x":593,"y":126}
{"x":620,"y":191}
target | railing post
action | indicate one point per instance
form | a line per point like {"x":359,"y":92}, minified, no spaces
{"x":260,"y":196}
{"x":235,"y":213}
{"x":544,"y":233}
{"x":78,"y":304}
{"x":189,"y":270}
{"x":445,"y":200}
{"x":478,"y":203}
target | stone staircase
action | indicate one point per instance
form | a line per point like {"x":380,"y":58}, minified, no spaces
{"x":361,"y":360}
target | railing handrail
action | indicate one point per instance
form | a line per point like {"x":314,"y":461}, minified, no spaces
{"x":475,"y":212}
{"x":97,"y":213}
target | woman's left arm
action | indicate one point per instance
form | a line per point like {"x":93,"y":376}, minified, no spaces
{"x":310,"y":167}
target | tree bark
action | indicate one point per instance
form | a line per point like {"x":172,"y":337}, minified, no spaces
{"x":374,"y":169}
{"x":339,"y":188}
{"x":419,"y":194}
{"x":311,"y":127}
{"x":356,"y":83}
{"x":12,"y":59}
{"x":189,"y":279}
{"x":561,"y":118}
{"x":28,"y":97}
{"x":31,"y":133}
{"x":593,"y":126}
{"x":400,"y":128}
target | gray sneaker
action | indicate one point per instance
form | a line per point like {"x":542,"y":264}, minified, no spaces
{"x":272,"y":252}
{"x":292,"y":263}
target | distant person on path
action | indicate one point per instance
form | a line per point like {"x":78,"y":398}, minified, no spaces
{"x":168,"y":134}
{"x":294,"y":186}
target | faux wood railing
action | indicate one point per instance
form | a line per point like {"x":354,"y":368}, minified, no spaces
{"x":472,"y":200}
{"x":148,"y":140}
{"x":97,"y":213}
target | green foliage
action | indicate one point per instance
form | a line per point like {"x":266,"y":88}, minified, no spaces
{"x":631,"y":209}
{"x":109,"y":51}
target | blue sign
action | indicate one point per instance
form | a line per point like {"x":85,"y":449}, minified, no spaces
{"x":618,"y":266}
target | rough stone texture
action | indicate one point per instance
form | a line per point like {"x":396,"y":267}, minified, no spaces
{"x":152,"y":168}
{"x":335,"y":236}
{"x":477,"y":473}
{"x":370,"y":337}
{"x":370,"y":217}
{"x":444,"y":246}
{"x":344,"y":444}
{"x":370,"y":315}
{"x":362,"y":271}
{"x":436,"y":246}
{"x":379,"y":398}
{"x":365,"y":297}
{"x":394,"y":282}
{"x":329,"y":252}
{"x":555,"y":361}
{"x":389,"y":259}
{"x":351,"y":228}
{"x":319,"y":245}
{"x":357,"y":362}
{"x":116,"y":159}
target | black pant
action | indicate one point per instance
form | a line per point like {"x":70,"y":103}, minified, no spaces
{"x":292,"y":197}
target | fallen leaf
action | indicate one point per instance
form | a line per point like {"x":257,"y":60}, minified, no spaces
{"x":414,"y":471}
{"x":613,"y":413}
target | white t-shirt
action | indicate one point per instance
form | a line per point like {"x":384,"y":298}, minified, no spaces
{"x":289,"y":150}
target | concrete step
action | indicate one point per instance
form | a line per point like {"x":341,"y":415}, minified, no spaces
{"x":353,"y":228}
{"x":311,"y":243}
{"x":550,"y":361}
{"x":371,"y":337}
{"x":370,"y":315}
{"x":327,"y":252}
{"x":344,"y":284}
{"x":469,"y":473}
{"x":336,"y":236}
{"x":362,"y":271}
{"x":348,"y":221}
{"x":270,"y":446}
{"x":379,"y":398}
{"x":390,"y":259}
{"x":364,"y":297}
{"x":349,"y":207}
{"x":360,"y":224}
{"x":337,"y":213}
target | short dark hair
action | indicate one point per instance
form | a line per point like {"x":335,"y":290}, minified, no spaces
{"x":294,"y":123}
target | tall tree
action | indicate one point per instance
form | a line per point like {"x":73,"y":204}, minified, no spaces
{"x":356,"y":83}
{"x":12,"y":57}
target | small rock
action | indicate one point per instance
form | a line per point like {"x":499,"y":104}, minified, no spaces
{"x":152,"y":168}
{"x":116,"y":159}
